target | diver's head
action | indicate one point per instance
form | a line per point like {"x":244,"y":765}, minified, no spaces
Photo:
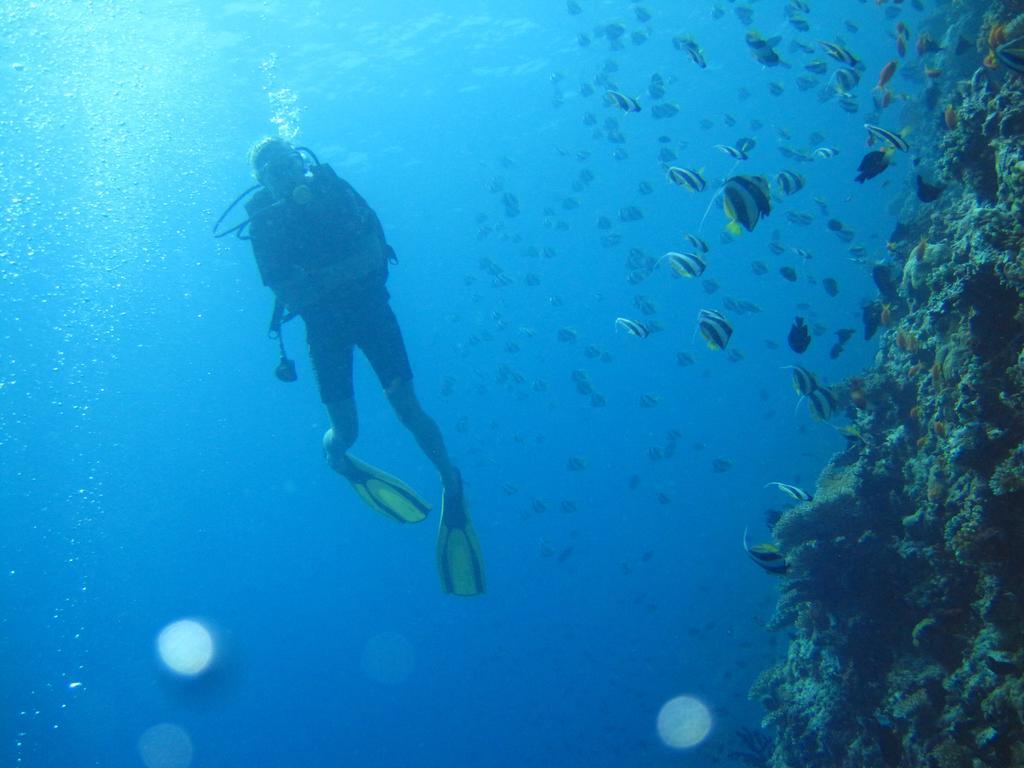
{"x":278,"y":166}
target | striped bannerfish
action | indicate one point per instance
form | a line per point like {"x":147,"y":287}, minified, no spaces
{"x":822,"y":403}
{"x":795,"y":492}
{"x":745,"y":199}
{"x":804,"y":381}
{"x":715,"y":329}
{"x":845,"y":79}
{"x":892,"y":139}
{"x":789,"y":182}
{"x":687,"y":177}
{"x":734,"y":152}
{"x":767,"y":556}
{"x":692,"y":49}
{"x":1011,"y":54}
{"x":686,"y":264}
{"x":623,"y":102}
{"x":634,"y":327}
{"x":826,"y":152}
{"x":839,"y":53}
{"x":697,"y":242}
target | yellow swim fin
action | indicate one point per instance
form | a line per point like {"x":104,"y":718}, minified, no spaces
{"x":385,"y":493}
{"x":460,"y":562}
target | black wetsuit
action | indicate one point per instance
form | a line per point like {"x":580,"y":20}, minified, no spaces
{"x":325,"y":257}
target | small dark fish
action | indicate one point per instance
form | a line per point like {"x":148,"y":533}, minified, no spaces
{"x":799,"y":336}
{"x":630,"y":213}
{"x":835,"y":225}
{"x":564,"y":554}
{"x":927,"y":193}
{"x":843,"y":335}
{"x":871,"y":316}
{"x":830,"y":285}
{"x":881,"y":275}
{"x":721,"y":465}
{"x":872,"y":164}
{"x":788,"y":273}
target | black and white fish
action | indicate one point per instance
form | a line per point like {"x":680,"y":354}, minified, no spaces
{"x":692,"y":49}
{"x":804,"y":382}
{"x":633,"y":327}
{"x":839,"y":53}
{"x":687,"y":177}
{"x":623,"y":102}
{"x":789,"y":182}
{"x":793,"y":491}
{"x":734,"y":152}
{"x":1011,"y":54}
{"x":697,"y":242}
{"x":822,"y":403}
{"x":766,"y":555}
{"x":894,"y":140}
{"x":745,"y":199}
{"x":686,"y":264}
{"x":715,"y":329}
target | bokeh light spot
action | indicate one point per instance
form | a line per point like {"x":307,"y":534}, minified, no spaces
{"x":684,"y":722}
{"x":165,"y":746}
{"x":186,"y":647}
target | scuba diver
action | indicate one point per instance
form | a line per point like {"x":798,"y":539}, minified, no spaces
{"x":321,"y":250}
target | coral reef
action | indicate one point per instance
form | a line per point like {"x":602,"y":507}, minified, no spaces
{"x":756,"y":751}
{"x":904,"y":593}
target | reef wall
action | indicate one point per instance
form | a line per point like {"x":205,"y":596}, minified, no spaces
{"x":904,"y":593}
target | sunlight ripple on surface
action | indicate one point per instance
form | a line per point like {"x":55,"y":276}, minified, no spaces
{"x":684,"y":722}
{"x":186,"y":647}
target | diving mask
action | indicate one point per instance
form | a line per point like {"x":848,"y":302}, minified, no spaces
{"x":284,"y":176}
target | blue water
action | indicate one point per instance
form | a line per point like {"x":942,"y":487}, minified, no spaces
{"x":153,"y":469}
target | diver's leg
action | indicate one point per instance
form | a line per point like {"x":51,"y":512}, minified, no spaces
{"x":342,"y":433}
{"x":330,"y":352}
{"x":402,"y":396}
